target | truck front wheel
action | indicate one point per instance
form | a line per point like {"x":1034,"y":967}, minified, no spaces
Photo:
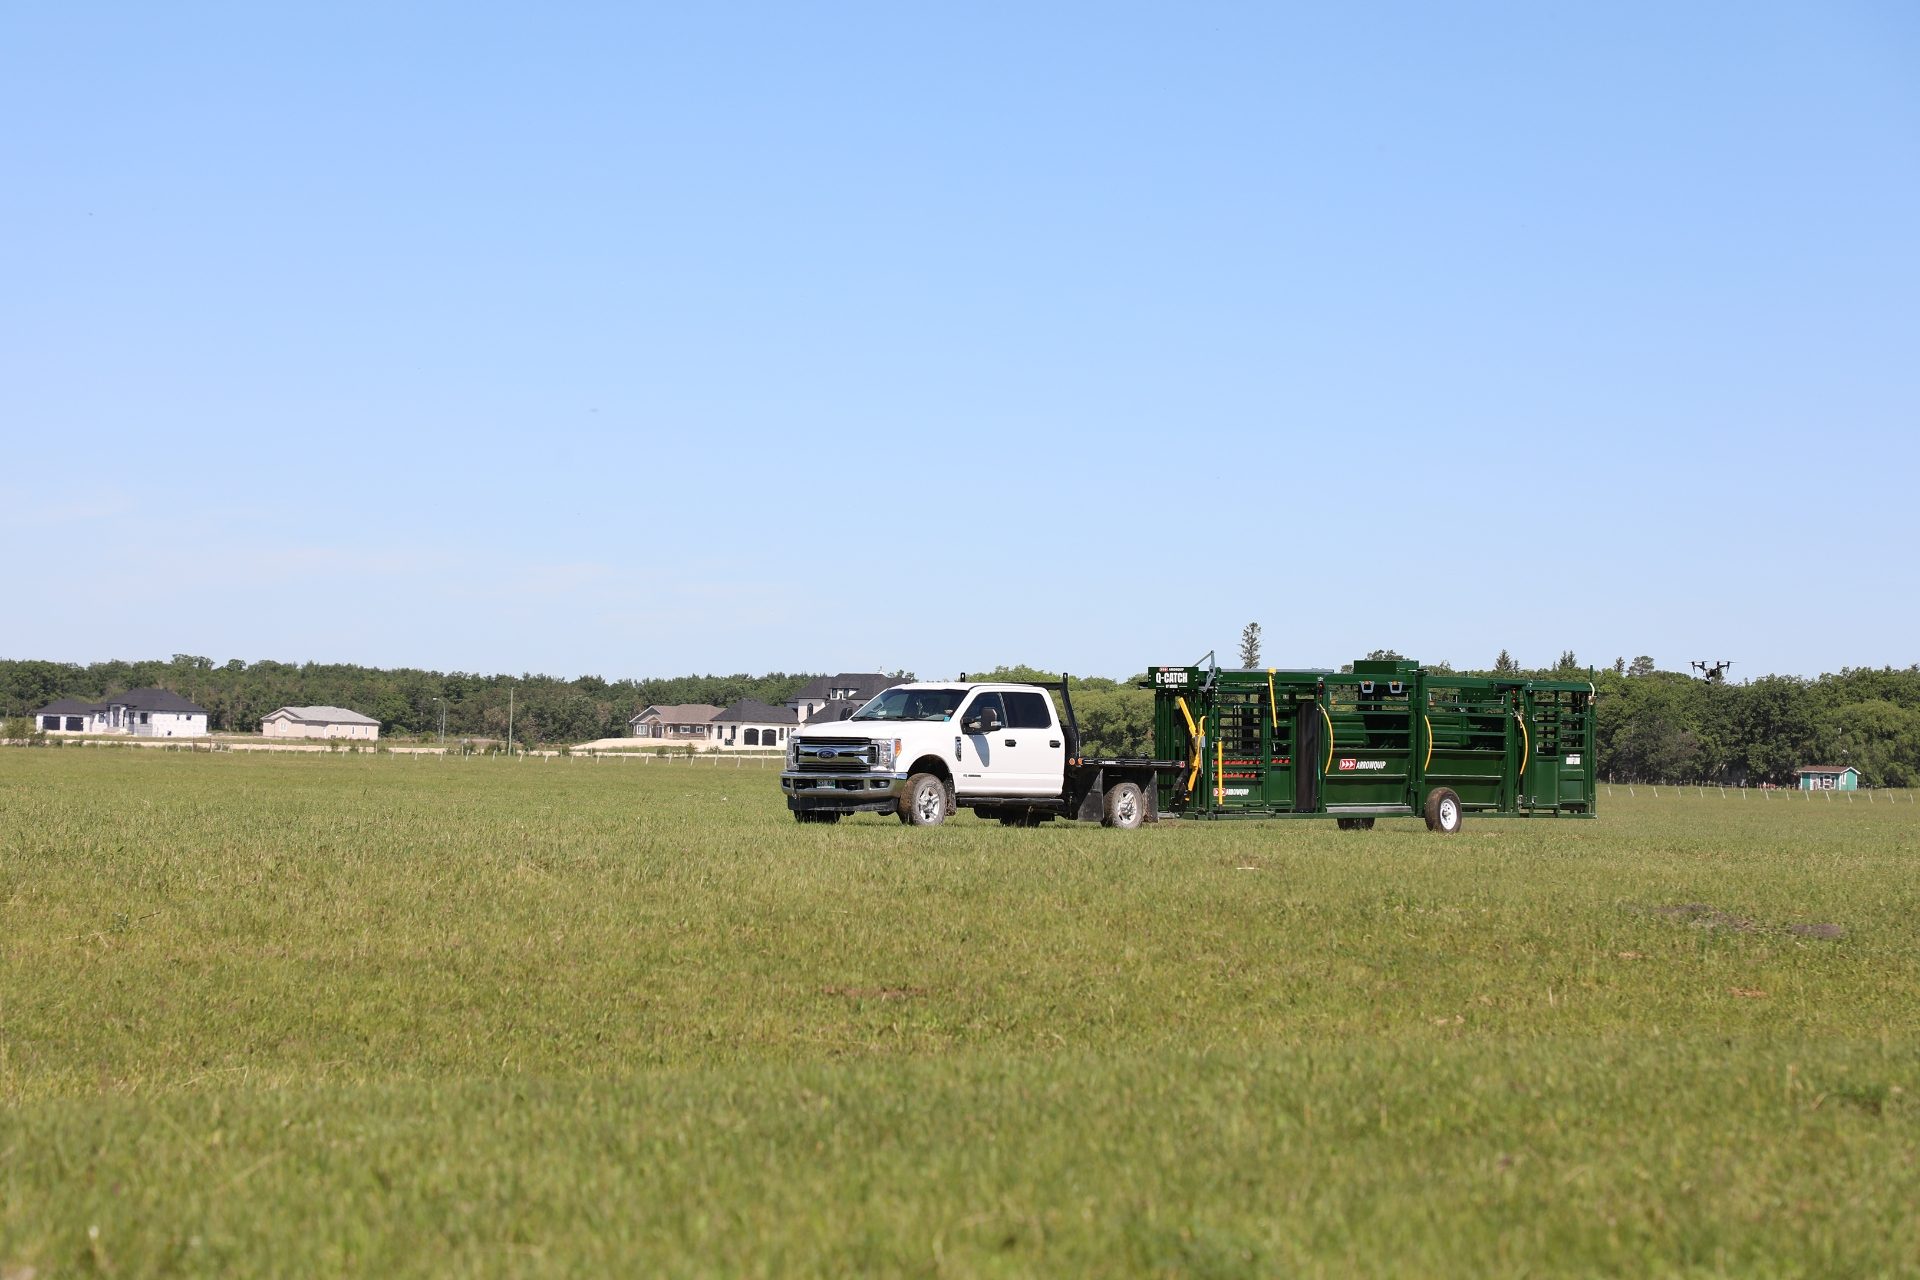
{"x":1126,"y":806}
{"x":925,"y":803}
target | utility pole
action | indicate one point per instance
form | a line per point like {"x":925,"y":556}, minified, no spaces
{"x":509,"y":721}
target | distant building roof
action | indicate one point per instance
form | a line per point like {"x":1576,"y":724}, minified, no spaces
{"x":865,"y":685}
{"x":835,"y":711}
{"x":679,"y":713}
{"x":1827,"y":768}
{"x":154,"y":700}
{"x":324,"y":715}
{"x":70,"y":707}
{"x":753,"y":711}
{"x":138,"y":699}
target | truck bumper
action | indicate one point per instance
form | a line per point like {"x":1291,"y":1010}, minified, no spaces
{"x":844,"y":792}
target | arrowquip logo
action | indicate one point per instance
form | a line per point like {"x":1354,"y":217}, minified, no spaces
{"x":1350,"y":765}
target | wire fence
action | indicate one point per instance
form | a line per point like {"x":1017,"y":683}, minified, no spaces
{"x":776,"y":760}
{"x":1710,"y":790}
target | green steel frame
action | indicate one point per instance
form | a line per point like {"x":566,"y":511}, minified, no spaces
{"x":1372,"y":742}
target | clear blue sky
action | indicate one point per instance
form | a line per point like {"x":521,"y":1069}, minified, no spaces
{"x":639,"y":340}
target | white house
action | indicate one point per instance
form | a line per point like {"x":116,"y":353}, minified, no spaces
{"x":319,"y":722}
{"x":139,"y":713}
{"x":749,"y":725}
{"x":849,"y":687}
{"x":681,"y":722}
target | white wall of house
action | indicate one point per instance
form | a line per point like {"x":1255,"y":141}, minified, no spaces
{"x":168,"y":724}
{"x":734,"y":736}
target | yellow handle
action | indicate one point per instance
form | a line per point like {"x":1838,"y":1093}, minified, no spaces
{"x":1526,"y":743}
{"x":1429,"y":761}
{"x":1273,"y":703}
{"x":1329,"y":719}
{"x":1199,"y":749}
{"x":1219,"y":772}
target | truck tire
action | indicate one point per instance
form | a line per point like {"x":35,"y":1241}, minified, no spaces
{"x":1356,"y":824}
{"x":1444,"y":814}
{"x":816,"y":815}
{"x":1126,"y":806}
{"x":925,"y":801}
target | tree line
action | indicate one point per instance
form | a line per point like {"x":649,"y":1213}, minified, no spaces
{"x":406,"y":702}
{"x":1652,"y":725}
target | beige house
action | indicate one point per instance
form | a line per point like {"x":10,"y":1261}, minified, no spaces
{"x":682,"y":722}
{"x":319,"y":722}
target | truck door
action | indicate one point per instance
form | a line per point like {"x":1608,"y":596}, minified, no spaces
{"x":983,"y":761}
{"x":1033,"y":745}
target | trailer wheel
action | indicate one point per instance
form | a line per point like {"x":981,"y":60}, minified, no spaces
{"x":1443,"y":811}
{"x":925,"y":803}
{"x":1356,"y":824}
{"x":816,"y":815}
{"x":1126,"y":806}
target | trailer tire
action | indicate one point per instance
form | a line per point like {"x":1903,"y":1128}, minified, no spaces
{"x":824,"y":816}
{"x":1126,"y":806}
{"x":1356,"y":824}
{"x":1444,"y":814}
{"x":925,"y":801}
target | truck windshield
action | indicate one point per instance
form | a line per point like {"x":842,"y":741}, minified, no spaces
{"x":912,"y":704}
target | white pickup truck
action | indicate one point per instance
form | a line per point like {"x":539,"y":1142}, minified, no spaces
{"x":1006,"y":751}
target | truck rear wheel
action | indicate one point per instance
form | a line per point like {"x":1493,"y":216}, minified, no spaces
{"x":1126,"y":806}
{"x":1443,"y":811}
{"x":925,"y":801}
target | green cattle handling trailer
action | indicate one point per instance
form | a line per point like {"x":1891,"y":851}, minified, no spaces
{"x":1384,"y":739}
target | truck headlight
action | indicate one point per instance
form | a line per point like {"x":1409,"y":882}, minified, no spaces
{"x":793,"y":752}
{"x":889,"y":751}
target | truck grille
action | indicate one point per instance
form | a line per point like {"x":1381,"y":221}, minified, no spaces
{"x":836,"y":755}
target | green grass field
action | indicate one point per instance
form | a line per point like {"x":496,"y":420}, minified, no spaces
{"x":312,"y":1014}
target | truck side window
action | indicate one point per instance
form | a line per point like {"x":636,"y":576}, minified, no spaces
{"x":1028,"y":711}
{"x":985,"y":704}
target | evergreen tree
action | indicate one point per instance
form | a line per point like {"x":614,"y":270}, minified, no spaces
{"x":1250,"y":645}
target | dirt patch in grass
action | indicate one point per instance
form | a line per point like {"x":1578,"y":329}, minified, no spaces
{"x":874,"y":993}
{"x":1707,"y":916}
